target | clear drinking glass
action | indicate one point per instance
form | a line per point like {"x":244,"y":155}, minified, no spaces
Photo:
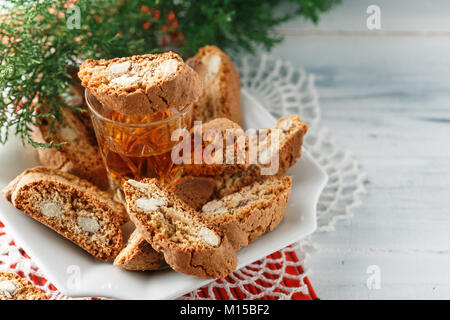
{"x":136,"y":147}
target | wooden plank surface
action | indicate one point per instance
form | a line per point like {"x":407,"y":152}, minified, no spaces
{"x":385,"y":96}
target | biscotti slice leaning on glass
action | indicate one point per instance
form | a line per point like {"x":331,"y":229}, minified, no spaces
{"x":221,"y":97}
{"x":14,"y":287}
{"x":291,"y":133}
{"x":138,"y":255}
{"x":73,"y":207}
{"x":141,"y":85}
{"x":245,"y":215}
{"x":79,"y":155}
{"x":225,"y":179}
{"x":189,"y":244}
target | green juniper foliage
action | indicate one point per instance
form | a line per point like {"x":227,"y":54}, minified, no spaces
{"x":40,"y":39}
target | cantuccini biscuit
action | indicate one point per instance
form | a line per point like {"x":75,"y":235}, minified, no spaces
{"x":291,"y":133}
{"x":141,"y":85}
{"x":229,"y":178}
{"x":237,"y":152}
{"x":74,"y":208}
{"x":79,"y":156}
{"x":221,"y":97}
{"x":189,"y":244}
{"x":246,"y":215}
{"x":138,"y":255}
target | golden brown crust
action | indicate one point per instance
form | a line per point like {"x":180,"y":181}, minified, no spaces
{"x":175,"y":229}
{"x":246,"y":215}
{"x":14,"y":287}
{"x":74,"y":198}
{"x":210,"y":263}
{"x":79,"y":156}
{"x":138,"y":255}
{"x":144,"y":95}
{"x":221,"y":95}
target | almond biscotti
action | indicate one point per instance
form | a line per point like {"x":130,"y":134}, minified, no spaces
{"x":272,"y":150}
{"x":138,"y":255}
{"x":141,"y":85}
{"x":276,"y":150}
{"x":222,"y":179}
{"x":245,"y":215}
{"x":221,"y":97}
{"x":189,"y":244}
{"x":14,"y":287}
{"x":79,"y":156}
{"x":72,"y":207}
{"x":291,"y":133}
{"x":228,"y":179}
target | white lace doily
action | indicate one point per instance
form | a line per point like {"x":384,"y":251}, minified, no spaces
{"x":283,"y":90}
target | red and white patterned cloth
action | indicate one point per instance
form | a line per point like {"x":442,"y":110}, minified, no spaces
{"x":278,"y":276}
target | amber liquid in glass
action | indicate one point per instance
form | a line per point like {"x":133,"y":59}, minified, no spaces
{"x":136,"y":153}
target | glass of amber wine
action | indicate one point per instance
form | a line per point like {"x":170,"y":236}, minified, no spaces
{"x":134,"y":146}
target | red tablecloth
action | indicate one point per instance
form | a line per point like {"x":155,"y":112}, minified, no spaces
{"x":281,"y":274}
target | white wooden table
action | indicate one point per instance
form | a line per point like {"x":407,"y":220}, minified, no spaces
{"x":385,"y":96}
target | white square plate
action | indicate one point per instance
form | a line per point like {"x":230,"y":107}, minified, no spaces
{"x":64,"y":263}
